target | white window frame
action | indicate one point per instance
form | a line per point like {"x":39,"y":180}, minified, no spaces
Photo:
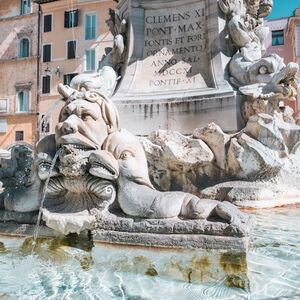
{"x":283,"y":37}
{"x":21,"y":5}
{"x":85,"y":56}
{"x":3,"y":121}
{"x":19,"y":50}
{"x":17,"y":102}
{"x":7,"y":105}
{"x":91,"y":13}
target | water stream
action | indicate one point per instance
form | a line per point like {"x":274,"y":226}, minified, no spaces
{"x":48,"y":114}
{"x":44,"y":193}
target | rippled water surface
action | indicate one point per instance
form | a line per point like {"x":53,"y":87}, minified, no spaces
{"x":75,"y":269}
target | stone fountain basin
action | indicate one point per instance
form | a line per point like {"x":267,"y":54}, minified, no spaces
{"x":74,"y":264}
{"x":118,"y":229}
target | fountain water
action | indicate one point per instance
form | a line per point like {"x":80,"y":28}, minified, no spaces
{"x":48,"y":114}
{"x":102,"y":181}
{"x":36,"y":230}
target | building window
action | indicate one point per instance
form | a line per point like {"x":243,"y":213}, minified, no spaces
{"x":69,"y":77}
{"x":3,"y":126}
{"x":23,"y":101}
{"x":19,"y":136}
{"x":46,"y":53}
{"x":277,"y":37}
{"x":71,"y":18}
{"x":90,"y":27}
{"x":90,"y":60}
{"x":71,"y":49}
{"x":47,"y":23}
{"x":46,"y":84}
{"x":24,"y":48}
{"x":3,"y":105}
{"x":25,"y":7}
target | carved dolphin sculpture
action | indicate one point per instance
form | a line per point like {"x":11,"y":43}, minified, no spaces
{"x":103,"y":165}
{"x":137,"y":197}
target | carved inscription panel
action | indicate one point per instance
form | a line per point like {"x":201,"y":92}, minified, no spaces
{"x":175,"y":53}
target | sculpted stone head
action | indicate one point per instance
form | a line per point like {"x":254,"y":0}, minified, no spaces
{"x":130,"y":154}
{"x":86,"y":119}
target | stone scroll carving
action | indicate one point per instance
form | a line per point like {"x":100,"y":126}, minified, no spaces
{"x":265,"y":79}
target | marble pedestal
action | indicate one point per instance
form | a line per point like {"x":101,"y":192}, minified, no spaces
{"x":174,"y":75}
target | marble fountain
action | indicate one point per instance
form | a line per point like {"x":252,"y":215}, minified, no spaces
{"x":165,"y":169}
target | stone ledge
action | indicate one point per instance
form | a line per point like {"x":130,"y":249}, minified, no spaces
{"x":174,"y":241}
{"x":192,"y":241}
{"x":118,"y":222}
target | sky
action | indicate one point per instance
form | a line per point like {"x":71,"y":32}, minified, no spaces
{"x":284,"y":8}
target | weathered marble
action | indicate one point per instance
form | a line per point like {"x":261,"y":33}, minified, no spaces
{"x":90,"y":167}
{"x":217,"y":141}
{"x":173,"y":77}
{"x":177,"y":161}
{"x":263,"y":155}
{"x":264,"y":78}
{"x":184,"y":64}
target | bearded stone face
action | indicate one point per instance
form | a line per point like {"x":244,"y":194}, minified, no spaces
{"x":81,"y":125}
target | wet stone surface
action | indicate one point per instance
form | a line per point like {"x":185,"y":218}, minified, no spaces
{"x":73,"y":267}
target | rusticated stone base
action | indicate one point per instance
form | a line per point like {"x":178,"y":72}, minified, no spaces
{"x":196,"y":241}
{"x":174,"y":241}
{"x":166,"y":233}
{"x":174,"y":233}
{"x":228,"y":230}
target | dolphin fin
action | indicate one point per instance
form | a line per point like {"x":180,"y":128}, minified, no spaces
{"x":142,"y":181}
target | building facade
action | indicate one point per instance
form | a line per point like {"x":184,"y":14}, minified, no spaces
{"x":293,"y":33}
{"x":44,"y":43}
{"x":74,"y":35}
{"x":284,"y":40}
{"x":19,"y":55}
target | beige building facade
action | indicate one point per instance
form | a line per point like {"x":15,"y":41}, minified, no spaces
{"x":18,"y":72}
{"x":74,"y":35}
{"x":44,"y":43}
{"x":284,"y":40}
{"x":293,"y":33}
